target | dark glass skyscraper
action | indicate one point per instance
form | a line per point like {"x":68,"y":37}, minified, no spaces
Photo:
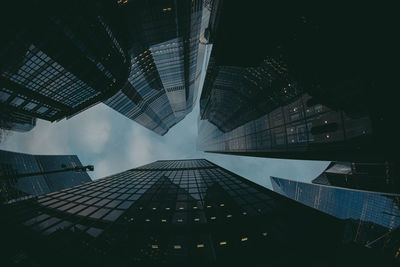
{"x":168,"y":50}
{"x":302,"y":90}
{"x":13,"y":164}
{"x":372,"y":216}
{"x":57,"y":59}
{"x":188,"y":212}
{"x":379,"y":177}
{"x":240,"y":123}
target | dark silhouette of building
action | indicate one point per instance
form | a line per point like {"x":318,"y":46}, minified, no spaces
{"x":305,"y":89}
{"x":186,"y":212}
{"x":168,"y":48}
{"x":57,"y":59}
{"x":371,"y":216}
{"x":26,"y":175}
{"x":378,"y":177}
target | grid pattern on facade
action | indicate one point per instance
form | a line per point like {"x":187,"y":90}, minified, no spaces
{"x":42,"y":74}
{"x":362,"y":207}
{"x":294,"y":127}
{"x":13,"y":164}
{"x":60,"y":64}
{"x":165,"y":65}
{"x":176,"y":211}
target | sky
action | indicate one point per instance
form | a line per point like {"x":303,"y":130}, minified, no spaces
{"x":113,"y":143}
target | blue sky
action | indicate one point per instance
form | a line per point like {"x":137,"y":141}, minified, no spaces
{"x":113,"y":143}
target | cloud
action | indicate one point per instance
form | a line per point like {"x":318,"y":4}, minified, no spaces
{"x":114,"y":143}
{"x":94,"y":134}
{"x":45,"y":138}
{"x":90,"y":129}
{"x":145,"y":147}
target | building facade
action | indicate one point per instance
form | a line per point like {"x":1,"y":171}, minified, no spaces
{"x":302,"y":90}
{"x":183,"y":212}
{"x":378,"y":177}
{"x":16,"y":121}
{"x":14,"y":164}
{"x":372,"y":216}
{"x":57,"y":59}
{"x":260,"y":111}
{"x":167,"y":50}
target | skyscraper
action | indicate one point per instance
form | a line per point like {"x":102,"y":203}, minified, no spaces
{"x":57,"y":59}
{"x":16,"y":121}
{"x":13,"y":165}
{"x":378,"y":177}
{"x":168,"y":48}
{"x":257,"y":112}
{"x":186,"y":212}
{"x":371,"y":216}
{"x":302,"y":90}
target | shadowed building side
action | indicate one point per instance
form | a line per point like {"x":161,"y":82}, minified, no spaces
{"x":167,"y":46}
{"x":305,"y":88}
{"x":371,"y":216}
{"x":176,"y":212}
{"x":57,"y":59}
{"x":32,"y":175}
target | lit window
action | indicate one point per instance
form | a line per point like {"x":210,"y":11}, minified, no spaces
{"x":244,"y":213}
{"x":229,"y":216}
{"x":154,"y":208}
{"x":195,"y":207}
{"x":222,"y":243}
{"x":222,"y":204}
{"x":264,"y":234}
{"x":196,"y":219}
{"x":200,"y":245}
{"x":167,"y":208}
{"x":147,"y":220}
{"x":154,"y":246}
{"x":213,"y":218}
{"x":208,"y":206}
{"x":163,"y":220}
{"x":180,"y":220}
{"x":244,"y":239}
{"x":181,"y":208}
{"x":177,"y":246}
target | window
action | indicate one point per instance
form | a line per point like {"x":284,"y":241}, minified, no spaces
{"x":113,"y":215}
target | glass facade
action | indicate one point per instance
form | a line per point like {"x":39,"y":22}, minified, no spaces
{"x":370,"y":176}
{"x":58,"y":65}
{"x":167,"y":50}
{"x":16,"y":121}
{"x":12,"y":164}
{"x":371,"y":215}
{"x":261,"y":111}
{"x":171,"y":213}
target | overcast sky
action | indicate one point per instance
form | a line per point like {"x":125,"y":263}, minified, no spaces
{"x":113,"y":143}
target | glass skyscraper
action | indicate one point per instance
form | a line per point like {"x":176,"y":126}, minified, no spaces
{"x":169,"y":213}
{"x":303,"y":89}
{"x":168,"y":49}
{"x":261,"y":111}
{"x":16,"y":121}
{"x":378,"y":177}
{"x":57,"y":59}
{"x":371,"y":216}
{"x":13,"y":164}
